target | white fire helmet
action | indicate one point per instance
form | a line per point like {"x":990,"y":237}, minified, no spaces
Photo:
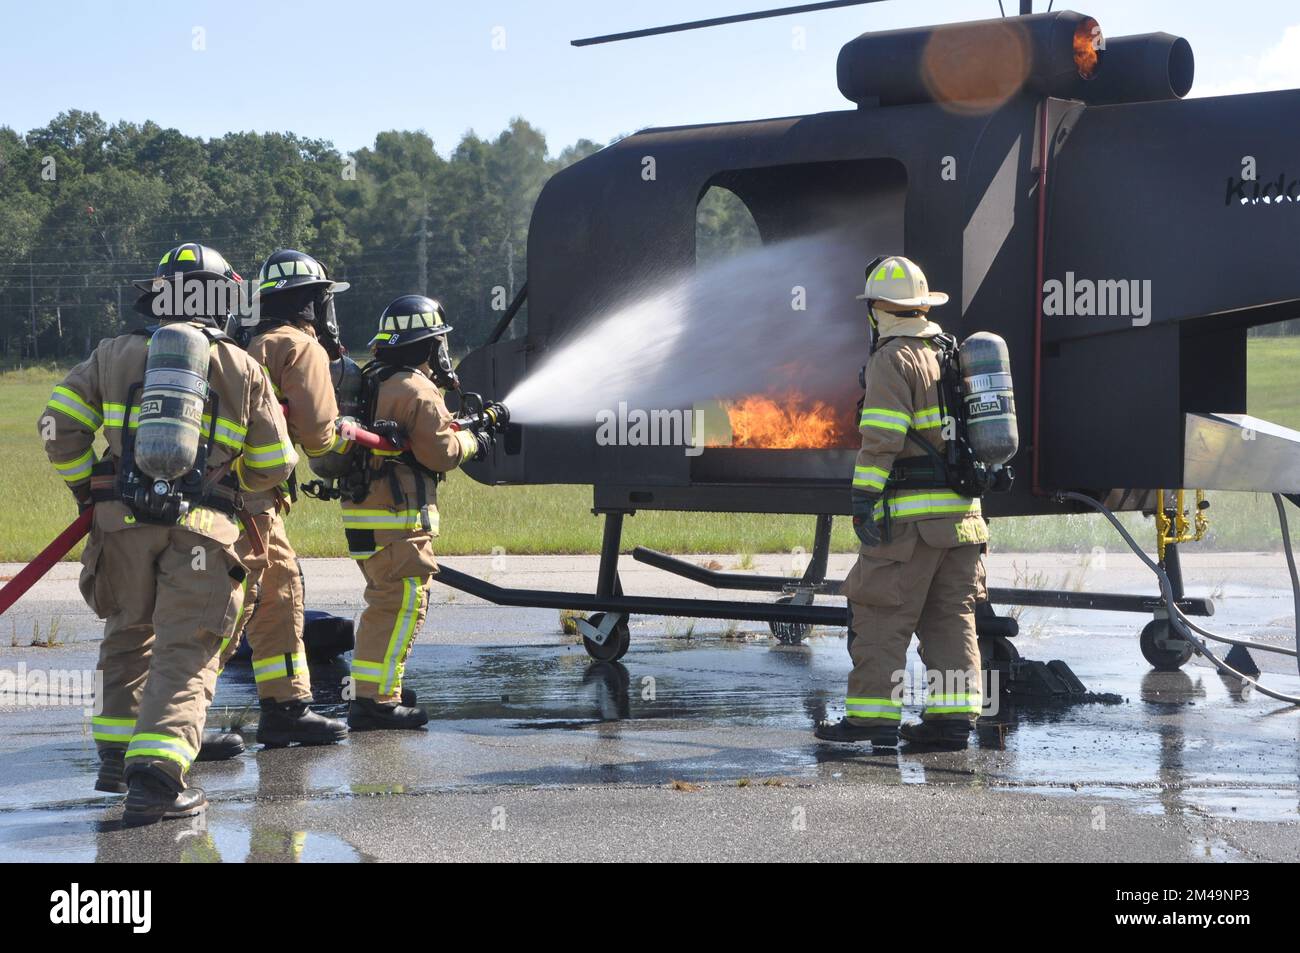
{"x":896,"y":284}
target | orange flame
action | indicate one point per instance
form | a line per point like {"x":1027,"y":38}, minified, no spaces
{"x":1087,"y":40}
{"x":786,"y":422}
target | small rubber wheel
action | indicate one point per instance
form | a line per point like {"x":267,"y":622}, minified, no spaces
{"x":615,"y":647}
{"x":1164,"y":658}
{"x":789,"y":633}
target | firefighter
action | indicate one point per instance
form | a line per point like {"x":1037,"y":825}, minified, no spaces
{"x":294,"y":339}
{"x":920,"y":565}
{"x":160,"y":563}
{"x":390,"y":528}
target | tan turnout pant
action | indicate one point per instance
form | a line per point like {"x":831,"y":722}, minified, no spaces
{"x":397,"y":598}
{"x":169,"y":597}
{"x":272,"y":621}
{"x":932,"y":593}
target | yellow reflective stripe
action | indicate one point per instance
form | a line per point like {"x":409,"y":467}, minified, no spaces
{"x":338,"y":445}
{"x":886,"y":708}
{"x":929,"y":503}
{"x":381,"y":519}
{"x":228,"y":432}
{"x":961,"y":703}
{"x":148,"y":745}
{"x":403,"y":632}
{"x":243,"y":608}
{"x":883,"y":412}
{"x":74,"y":471}
{"x":117,"y":730}
{"x":239,"y":474}
{"x":872,"y":478}
{"x":884,"y":419}
{"x":274,"y":386}
{"x":278,"y":667}
{"x":367,"y":671}
{"x":69,"y":402}
{"x":115,"y":416}
{"x":267,"y":456}
{"x":927,"y":419}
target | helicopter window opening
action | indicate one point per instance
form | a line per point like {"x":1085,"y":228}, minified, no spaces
{"x":724,"y":226}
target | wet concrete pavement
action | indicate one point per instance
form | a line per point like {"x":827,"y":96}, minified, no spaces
{"x":698,"y":746}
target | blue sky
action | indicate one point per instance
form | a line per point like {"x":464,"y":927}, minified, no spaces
{"x":346,"y":70}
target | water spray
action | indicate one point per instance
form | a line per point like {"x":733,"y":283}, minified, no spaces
{"x":774,"y":319}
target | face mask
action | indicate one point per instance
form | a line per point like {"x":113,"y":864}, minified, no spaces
{"x":326,"y":325}
{"x":443,"y":373}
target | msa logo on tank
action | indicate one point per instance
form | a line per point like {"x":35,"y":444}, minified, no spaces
{"x":163,"y":465}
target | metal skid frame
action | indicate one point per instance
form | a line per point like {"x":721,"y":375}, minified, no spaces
{"x":793,"y":614}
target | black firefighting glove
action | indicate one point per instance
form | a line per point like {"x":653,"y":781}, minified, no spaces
{"x":484,"y":441}
{"x":389,"y":430}
{"x":84,"y":500}
{"x":864,"y":517}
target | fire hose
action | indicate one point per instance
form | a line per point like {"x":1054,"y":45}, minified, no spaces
{"x":1188,"y":629}
{"x":45,"y":559}
{"x":476,"y":414}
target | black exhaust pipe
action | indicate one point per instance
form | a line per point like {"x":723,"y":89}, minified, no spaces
{"x":1144,"y":68}
{"x":984,"y":62}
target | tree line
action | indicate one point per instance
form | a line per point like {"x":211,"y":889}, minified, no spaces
{"x":85,"y":207}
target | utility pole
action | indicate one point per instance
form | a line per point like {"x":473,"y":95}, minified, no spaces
{"x":510,"y":267}
{"x":1026,"y":7}
{"x":423,"y":264}
{"x":31,"y":293}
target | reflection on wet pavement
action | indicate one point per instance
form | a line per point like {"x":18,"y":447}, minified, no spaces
{"x":703,"y":710}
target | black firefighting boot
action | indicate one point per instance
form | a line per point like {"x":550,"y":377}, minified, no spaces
{"x":408,"y":697}
{"x":849,"y":731}
{"x":112,"y":762}
{"x":152,"y":795}
{"x":366,"y":714}
{"x":939,"y":734}
{"x":292,"y":722}
{"x":220,"y":746}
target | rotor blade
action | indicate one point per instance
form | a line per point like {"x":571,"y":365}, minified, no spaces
{"x":721,"y":21}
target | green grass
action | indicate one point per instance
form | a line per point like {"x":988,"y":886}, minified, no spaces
{"x":557,"y":519}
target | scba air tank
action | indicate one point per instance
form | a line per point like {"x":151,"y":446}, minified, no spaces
{"x":171,"y":402}
{"x":990,"y":400}
{"x":349,"y":386}
{"x":349,"y":394}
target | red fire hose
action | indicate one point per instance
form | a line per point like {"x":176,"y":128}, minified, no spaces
{"x":357,"y":434}
{"x":45,"y":560}
{"x":371,"y":441}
